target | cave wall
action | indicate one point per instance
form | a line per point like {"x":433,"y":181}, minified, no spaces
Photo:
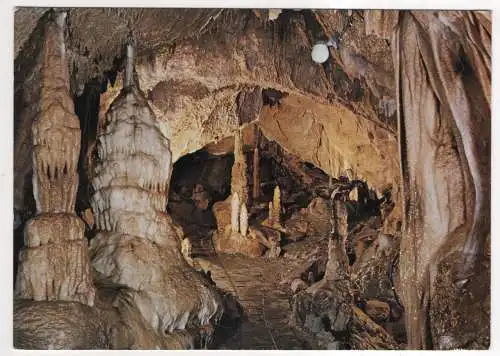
{"x":334,"y":139}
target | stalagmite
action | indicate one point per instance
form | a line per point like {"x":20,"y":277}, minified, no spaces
{"x":54,"y":265}
{"x":186,"y":250}
{"x":275,"y":213}
{"x":270,"y":213}
{"x":256,"y":174}
{"x":138,"y":246}
{"x":256,"y":166}
{"x":239,"y":182}
{"x":338,"y":262}
{"x":243,"y":220}
{"x":235,"y":213}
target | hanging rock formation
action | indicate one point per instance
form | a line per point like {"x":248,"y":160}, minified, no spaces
{"x":54,"y":265}
{"x":137,"y":245}
{"x":444,"y":60}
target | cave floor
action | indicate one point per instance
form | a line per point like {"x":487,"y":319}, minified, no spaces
{"x":262,"y":287}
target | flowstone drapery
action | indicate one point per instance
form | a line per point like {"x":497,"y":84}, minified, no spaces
{"x":137,"y":245}
{"x":54,"y":264}
{"x":443,"y":59}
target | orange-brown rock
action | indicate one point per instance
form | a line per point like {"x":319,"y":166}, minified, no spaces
{"x":377,"y":310}
{"x":234,"y":243}
{"x":222,"y":213}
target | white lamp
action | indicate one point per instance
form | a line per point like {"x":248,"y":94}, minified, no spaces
{"x":320,"y":51}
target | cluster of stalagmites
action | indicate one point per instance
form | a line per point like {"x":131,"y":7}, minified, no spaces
{"x":349,"y":305}
{"x":234,"y":234}
{"x":147,"y":294}
{"x":54,"y":264}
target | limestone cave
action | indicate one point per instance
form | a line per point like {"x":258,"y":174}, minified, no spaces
{"x":266,"y":179}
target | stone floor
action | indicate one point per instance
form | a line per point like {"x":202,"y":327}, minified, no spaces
{"x":262,"y":288}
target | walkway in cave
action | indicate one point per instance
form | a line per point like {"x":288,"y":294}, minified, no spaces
{"x":256,"y":284}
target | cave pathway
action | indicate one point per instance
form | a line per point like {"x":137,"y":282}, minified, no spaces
{"x":256,"y":283}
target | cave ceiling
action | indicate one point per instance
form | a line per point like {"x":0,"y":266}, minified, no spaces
{"x":196,"y":64}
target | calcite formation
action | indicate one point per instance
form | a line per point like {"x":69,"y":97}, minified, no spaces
{"x":255,"y":174}
{"x":54,"y":264}
{"x":447,"y":205}
{"x":137,"y":245}
{"x":274,"y":215}
{"x":243,"y":220}
{"x":239,"y":180}
{"x":234,"y":238}
{"x":235,"y":212}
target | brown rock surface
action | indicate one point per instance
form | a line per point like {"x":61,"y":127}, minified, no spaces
{"x":377,"y":310}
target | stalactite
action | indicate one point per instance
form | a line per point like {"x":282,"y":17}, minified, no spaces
{"x":54,"y":265}
{"x":243,"y":220}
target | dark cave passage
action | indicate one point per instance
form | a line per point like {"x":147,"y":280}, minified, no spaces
{"x":202,"y":180}
{"x":199,"y":180}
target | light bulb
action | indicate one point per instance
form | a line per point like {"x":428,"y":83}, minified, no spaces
{"x":320,"y":53}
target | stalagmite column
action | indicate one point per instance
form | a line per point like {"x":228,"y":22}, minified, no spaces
{"x":275,"y":210}
{"x":243,"y":220}
{"x":138,"y":246}
{"x":338,"y":262}
{"x":54,"y":265}
{"x":256,"y":166}
{"x":443,"y":77}
{"x":256,"y":174}
{"x":239,"y":182}
{"x":235,"y":213}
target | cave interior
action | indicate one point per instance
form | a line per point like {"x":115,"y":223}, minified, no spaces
{"x":194,"y":179}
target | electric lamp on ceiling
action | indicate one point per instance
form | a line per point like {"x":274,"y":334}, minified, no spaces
{"x":320,"y":51}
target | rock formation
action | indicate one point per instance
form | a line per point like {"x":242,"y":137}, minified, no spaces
{"x":243,"y":220}
{"x":450,"y":70}
{"x":235,"y":212}
{"x":239,"y":179}
{"x":137,"y":245}
{"x":54,"y":264}
{"x":255,"y":174}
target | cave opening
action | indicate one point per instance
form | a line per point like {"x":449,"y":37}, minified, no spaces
{"x":199,"y":180}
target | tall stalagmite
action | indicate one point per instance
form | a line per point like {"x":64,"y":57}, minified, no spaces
{"x":54,"y":264}
{"x":239,"y":180}
{"x":137,"y":245}
{"x":235,"y":212}
{"x":275,"y":212}
{"x":256,"y":166}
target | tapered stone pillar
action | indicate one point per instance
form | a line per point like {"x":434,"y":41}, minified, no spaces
{"x":239,"y":180}
{"x":138,"y":245}
{"x":54,"y":263}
